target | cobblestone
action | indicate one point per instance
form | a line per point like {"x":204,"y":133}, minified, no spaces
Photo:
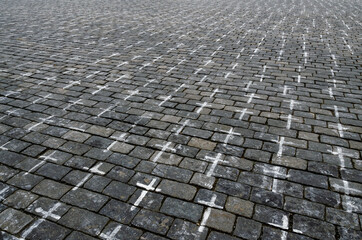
{"x":180,"y":120}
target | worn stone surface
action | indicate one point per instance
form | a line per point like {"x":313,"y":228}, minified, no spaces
{"x":180,"y":119}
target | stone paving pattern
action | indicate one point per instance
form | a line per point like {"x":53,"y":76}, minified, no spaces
{"x":139,"y":119}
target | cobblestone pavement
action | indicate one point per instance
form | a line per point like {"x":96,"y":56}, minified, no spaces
{"x":140,"y":119}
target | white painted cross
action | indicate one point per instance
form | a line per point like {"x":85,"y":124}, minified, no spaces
{"x":148,"y":82}
{"x":281,"y":142}
{"x":49,"y":157}
{"x":227,"y":74}
{"x":82,"y":181}
{"x":248,"y":85}
{"x":120,"y":138}
{"x":289,"y":120}
{"x":202,"y":105}
{"x":203,"y":79}
{"x":121,"y":64}
{"x":251,"y":96}
{"x":214,"y":92}
{"x":182,"y":127}
{"x":215,"y":162}
{"x":91,"y":75}
{"x":243,"y":112}
{"x":121,"y":77}
{"x":171,"y":69}
{"x":292,"y":102}
{"x":79,"y":101}
{"x":165,"y":99}
{"x":230,"y":134}
{"x":163,"y":149}
{"x":286,"y":89}
{"x":45,"y":215}
{"x":144,"y":65}
{"x":148,"y":187}
{"x":262,"y":76}
{"x":96,"y":170}
{"x":207,"y":212}
{"x":299,"y":77}
{"x":43,"y":120}
{"x":198,"y":70}
{"x":71,"y":84}
{"x":100,"y":88}
{"x":42,"y":98}
{"x":112,"y":235}
{"x":131,"y":93}
{"x":2,"y":147}
{"x":105,"y":110}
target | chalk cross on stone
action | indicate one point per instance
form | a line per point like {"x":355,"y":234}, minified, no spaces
{"x":120,"y":138}
{"x":96,"y":170}
{"x":163,"y":149}
{"x":49,"y":157}
{"x":230,"y":134}
{"x":165,"y":99}
{"x":243,"y":112}
{"x":207,"y":212}
{"x":45,"y":215}
{"x":289,"y":120}
{"x":148,"y":187}
{"x":100,"y":88}
{"x":43,"y":120}
{"x":251,"y":97}
{"x":71,"y":84}
{"x":281,"y":142}
{"x":202,"y":106}
{"x":214,"y":92}
{"x":215,"y":162}
{"x":131,"y":93}
{"x":182,"y":127}
{"x":112,"y":235}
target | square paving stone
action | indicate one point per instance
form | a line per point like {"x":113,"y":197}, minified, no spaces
{"x":13,"y":221}
{"x":6,"y":173}
{"x":48,"y":231}
{"x":119,"y":190}
{"x":53,"y":171}
{"x":20,"y":199}
{"x":85,"y":199}
{"x":247,"y":228}
{"x":186,"y":230}
{"x":176,"y":189}
{"x":5,"y":190}
{"x":313,"y":228}
{"x":220,"y":220}
{"x":121,"y":232}
{"x":233,"y":188}
{"x":182,"y":209}
{"x":10,"y":158}
{"x":120,"y":174}
{"x":271,"y":216}
{"x":25,"y":181}
{"x":97,"y":183}
{"x":51,"y":189}
{"x":152,"y":221}
{"x":84,"y":221}
{"x":239,"y":206}
{"x":119,"y":211}
{"x":75,"y":148}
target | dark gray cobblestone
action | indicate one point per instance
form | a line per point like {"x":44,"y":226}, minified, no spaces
{"x":180,"y":120}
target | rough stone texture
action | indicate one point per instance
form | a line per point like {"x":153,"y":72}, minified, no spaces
{"x":136,"y":119}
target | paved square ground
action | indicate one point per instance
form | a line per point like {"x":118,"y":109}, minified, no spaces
{"x":180,"y":119}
